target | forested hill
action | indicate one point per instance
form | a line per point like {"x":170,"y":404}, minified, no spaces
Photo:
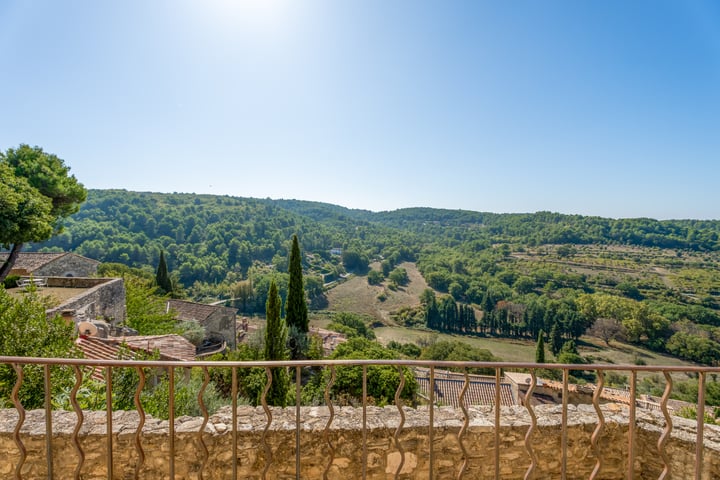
{"x":530,"y":228}
{"x":207,"y":236}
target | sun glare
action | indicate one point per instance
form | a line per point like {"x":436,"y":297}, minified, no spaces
{"x":261,"y":15}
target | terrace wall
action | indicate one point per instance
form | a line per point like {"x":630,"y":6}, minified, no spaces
{"x":104,"y":297}
{"x":345,"y":453}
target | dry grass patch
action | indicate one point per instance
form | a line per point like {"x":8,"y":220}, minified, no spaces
{"x":357,"y":296}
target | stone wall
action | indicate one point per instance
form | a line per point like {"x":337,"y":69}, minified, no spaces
{"x":345,"y":452}
{"x":75,"y":282}
{"x":581,"y":394}
{"x":104,"y":297}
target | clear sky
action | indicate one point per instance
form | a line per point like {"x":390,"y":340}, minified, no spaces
{"x":607,"y":108}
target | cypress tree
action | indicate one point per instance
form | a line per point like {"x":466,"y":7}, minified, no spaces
{"x":432,"y":314}
{"x":472,"y":321}
{"x":162,"y":279}
{"x":556,"y":340}
{"x":275,"y":339}
{"x":296,"y":310}
{"x":540,"y":348}
{"x":487,"y":302}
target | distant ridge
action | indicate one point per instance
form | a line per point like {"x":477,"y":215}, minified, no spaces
{"x":207,"y":236}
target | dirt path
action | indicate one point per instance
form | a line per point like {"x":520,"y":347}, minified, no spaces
{"x":664,"y":275}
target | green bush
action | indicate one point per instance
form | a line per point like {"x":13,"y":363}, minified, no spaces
{"x":11,"y":281}
{"x":157,"y":400}
{"x":382,"y":381}
{"x":25,"y":331}
{"x":375,"y":277}
{"x":351,"y":324}
{"x":691,"y":413}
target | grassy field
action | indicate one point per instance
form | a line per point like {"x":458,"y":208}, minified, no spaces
{"x":515,"y":350}
{"x":506,"y":349}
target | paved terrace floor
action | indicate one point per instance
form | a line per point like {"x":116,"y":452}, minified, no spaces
{"x":56,"y":295}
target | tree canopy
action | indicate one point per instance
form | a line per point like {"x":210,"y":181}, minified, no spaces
{"x":25,"y":214}
{"x":37,"y":193}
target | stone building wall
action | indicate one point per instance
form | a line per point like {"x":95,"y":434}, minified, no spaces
{"x":105,"y":298}
{"x":217,"y":320}
{"x":222,"y":321}
{"x":344,"y":453}
{"x":69,"y":265}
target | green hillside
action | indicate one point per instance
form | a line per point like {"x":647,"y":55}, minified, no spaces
{"x":656,"y":282}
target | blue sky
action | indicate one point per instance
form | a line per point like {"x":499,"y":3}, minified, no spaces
{"x":607,"y":108}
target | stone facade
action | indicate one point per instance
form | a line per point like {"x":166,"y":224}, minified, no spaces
{"x":217,"y":320}
{"x":343,"y":455}
{"x":53,"y":265}
{"x":104,"y":298}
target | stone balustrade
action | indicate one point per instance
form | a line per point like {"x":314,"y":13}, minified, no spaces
{"x":344,"y":456}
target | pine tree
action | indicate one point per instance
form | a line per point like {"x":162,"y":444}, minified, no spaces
{"x":275,"y":349}
{"x":296,"y":310}
{"x":540,"y":348}
{"x":162,"y":279}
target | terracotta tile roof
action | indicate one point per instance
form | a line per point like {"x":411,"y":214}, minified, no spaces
{"x":191,"y":311}
{"x":449,"y":385}
{"x":171,"y":346}
{"x":31,"y":261}
{"x":95,"y":349}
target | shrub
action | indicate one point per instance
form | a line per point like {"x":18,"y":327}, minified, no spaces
{"x":374,"y":277}
{"x":691,"y":413}
{"x":25,"y":331}
{"x":11,"y":281}
{"x":156,"y":401}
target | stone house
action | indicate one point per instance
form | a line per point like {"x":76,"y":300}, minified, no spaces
{"x":64,"y":264}
{"x":217,"y":320}
{"x":330,"y":339}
